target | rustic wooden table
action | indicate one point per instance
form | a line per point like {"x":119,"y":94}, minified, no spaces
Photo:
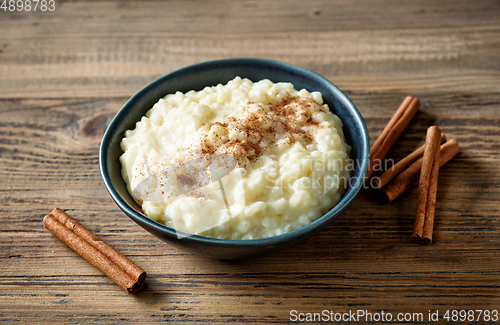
{"x":65,"y":73}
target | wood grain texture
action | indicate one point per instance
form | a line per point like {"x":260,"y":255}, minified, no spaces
{"x":64,"y":74}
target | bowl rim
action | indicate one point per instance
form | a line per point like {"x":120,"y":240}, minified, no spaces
{"x":320,"y":223}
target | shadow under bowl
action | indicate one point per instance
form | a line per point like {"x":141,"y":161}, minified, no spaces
{"x":211,"y":73}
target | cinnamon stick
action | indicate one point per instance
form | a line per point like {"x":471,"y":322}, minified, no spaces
{"x":117,"y":267}
{"x":395,"y":170}
{"x":397,"y":115}
{"x":427,"y":188}
{"x":410,"y":176}
{"x":391,"y":133}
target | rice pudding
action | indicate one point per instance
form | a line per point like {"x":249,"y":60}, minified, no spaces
{"x":245,"y":160}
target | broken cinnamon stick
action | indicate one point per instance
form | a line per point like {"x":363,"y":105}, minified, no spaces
{"x":410,"y":176}
{"x":398,"y":122}
{"x":395,"y":170}
{"x":427,"y":188}
{"x":117,"y":267}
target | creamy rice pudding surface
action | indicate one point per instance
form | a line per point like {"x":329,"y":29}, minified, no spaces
{"x":243,"y":160}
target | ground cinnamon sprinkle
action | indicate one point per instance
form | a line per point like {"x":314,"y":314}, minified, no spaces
{"x":187,"y":180}
{"x":290,"y":116}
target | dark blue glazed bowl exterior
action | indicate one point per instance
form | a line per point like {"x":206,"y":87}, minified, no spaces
{"x":211,"y":73}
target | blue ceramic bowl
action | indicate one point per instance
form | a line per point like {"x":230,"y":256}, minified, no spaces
{"x":211,"y":73}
